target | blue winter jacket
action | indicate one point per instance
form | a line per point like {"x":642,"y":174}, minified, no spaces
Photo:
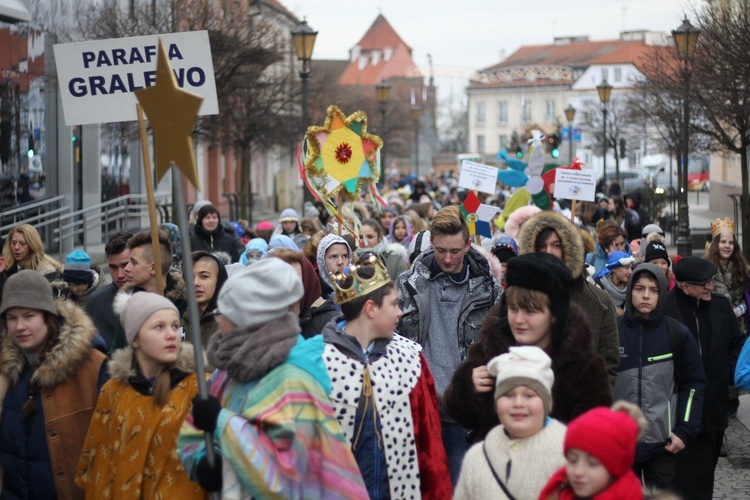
{"x":670,"y":396}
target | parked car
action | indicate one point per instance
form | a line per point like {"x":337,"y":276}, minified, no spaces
{"x":666,"y":184}
{"x":630,"y":181}
{"x":698,"y":174}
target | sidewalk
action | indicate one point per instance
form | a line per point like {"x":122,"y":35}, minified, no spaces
{"x":732,"y":478}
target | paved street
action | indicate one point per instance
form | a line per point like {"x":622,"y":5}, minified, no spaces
{"x":733,"y":471}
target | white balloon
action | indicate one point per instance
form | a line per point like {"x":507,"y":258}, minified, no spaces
{"x":535,"y":185}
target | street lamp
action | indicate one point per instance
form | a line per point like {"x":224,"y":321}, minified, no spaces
{"x":304,"y":40}
{"x":416,"y":114}
{"x":383,"y":89}
{"x":685,"y":39}
{"x":570,"y":114}
{"x":604,"y":89}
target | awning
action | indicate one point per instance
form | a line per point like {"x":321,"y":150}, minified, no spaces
{"x":15,"y":11}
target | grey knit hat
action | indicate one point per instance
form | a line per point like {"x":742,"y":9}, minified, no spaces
{"x":28,"y":289}
{"x":260,"y":293}
{"x":134,"y":309}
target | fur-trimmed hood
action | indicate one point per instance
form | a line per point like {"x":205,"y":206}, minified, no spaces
{"x":572,"y":243}
{"x":74,"y":345}
{"x":122,"y":367}
{"x":495,"y":265}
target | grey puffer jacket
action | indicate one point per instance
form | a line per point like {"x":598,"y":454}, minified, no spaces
{"x":414,"y":298}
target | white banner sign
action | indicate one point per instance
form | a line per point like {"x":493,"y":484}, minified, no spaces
{"x":98,"y":78}
{"x":575,"y":184}
{"x":478,"y":177}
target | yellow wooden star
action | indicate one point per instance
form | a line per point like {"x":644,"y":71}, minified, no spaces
{"x":171,"y":112}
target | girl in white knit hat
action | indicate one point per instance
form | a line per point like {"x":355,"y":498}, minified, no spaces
{"x":520,"y":454}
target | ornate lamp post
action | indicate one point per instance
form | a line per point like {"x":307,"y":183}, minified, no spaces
{"x":383,"y":89}
{"x":416,"y":114}
{"x":304,"y":40}
{"x":604,"y":89}
{"x":685,"y":39}
{"x":570,"y":114}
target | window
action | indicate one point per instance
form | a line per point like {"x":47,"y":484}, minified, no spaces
{"x":605,"y":73}
{"x":480,"y":144}
{"x":526,"y":111}
{"x":502,"y":108}
{"x":480,"y":112}
{"x":618,"y":74}
{"x":503,"y":142}
{"x":549,"y":107}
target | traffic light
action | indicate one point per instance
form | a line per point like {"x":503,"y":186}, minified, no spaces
{"x":554,"y":145}
{"x":30,"y":152}
{"x":519,"y":151}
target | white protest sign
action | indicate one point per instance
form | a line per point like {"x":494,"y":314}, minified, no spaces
{"x":478,"y":177}
{"x":575,"y":184}
{"x":98,"y":78}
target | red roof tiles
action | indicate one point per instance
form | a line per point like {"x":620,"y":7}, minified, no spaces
{"x":381,"y":35}
{"x":371,"y":67}
{"x":575,"y":55}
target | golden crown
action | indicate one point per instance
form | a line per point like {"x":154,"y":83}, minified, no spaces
{"x":365,"y":275}
{"x":722,"y":226}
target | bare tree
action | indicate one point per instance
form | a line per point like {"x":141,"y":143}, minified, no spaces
{"x":255,"y":83}
{"x":623,"y":128}
{"x":720,"y":90}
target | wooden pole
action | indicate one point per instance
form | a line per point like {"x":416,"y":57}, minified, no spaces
{"x":340,"y":201}
{"x":148,"y":175}
{"x":573,"y":211}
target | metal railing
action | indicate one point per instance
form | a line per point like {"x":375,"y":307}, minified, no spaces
{"x":62,"y":229}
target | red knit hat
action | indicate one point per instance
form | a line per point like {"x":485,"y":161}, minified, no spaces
{"x":610,"y":436}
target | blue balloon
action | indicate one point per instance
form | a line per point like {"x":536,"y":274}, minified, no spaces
{"x":512,"y":178}
{"x":515,"y":164}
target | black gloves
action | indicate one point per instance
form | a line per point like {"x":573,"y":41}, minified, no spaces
{"x":209,"y":477}
{"x":205,"y":413}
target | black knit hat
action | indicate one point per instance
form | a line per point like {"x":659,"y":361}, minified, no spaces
{"x":548,"y":274}
{"x":656,"y":250}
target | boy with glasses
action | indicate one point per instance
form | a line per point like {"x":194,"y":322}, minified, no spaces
{"x":711,"y":321}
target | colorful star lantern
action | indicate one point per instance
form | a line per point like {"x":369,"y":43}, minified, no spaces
{"x":477,"y":215}
{"x":171,"y":112}
{"x":340,"y":158}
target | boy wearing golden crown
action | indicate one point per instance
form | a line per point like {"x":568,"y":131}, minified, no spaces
{"x":383,"y":392}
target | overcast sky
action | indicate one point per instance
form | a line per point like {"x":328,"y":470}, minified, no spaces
{"x":471,"y":34}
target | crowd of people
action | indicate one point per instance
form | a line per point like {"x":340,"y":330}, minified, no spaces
{"x":392,"y":356}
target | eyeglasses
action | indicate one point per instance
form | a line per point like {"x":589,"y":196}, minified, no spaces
{"x":706,"y":285}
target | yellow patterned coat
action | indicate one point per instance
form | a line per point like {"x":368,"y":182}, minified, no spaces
{"x":130,"y":448}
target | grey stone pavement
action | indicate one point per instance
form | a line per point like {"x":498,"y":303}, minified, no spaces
{"x":732,"y":478}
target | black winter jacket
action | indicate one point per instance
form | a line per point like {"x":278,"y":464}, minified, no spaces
{"x":216,"y":241}
{"x":670,"y":396}
{"x":715,"y":328}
